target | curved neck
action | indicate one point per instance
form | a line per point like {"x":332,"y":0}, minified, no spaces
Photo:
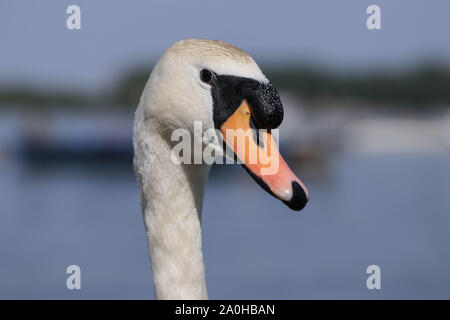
{"x":171,"y":197}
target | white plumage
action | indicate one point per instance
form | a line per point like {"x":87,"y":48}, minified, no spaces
{"x":171,"y":195}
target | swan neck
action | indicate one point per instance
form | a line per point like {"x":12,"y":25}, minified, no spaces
{"x":171,"y":197}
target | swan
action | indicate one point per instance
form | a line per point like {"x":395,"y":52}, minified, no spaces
{"x":221,"y":86}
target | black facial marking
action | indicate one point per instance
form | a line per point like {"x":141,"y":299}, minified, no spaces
{"x":228,"y":92}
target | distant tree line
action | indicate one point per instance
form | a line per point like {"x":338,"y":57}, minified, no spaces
{"x":424,"y":86}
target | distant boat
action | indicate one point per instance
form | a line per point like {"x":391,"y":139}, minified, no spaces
{"x":77,"y":138}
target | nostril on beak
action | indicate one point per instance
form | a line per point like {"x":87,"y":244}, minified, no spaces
{"x":299,"y":198}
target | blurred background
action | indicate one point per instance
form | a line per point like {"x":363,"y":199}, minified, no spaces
{"x":367,"y":128}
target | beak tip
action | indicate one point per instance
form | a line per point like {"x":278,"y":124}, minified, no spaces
{"x":299,"y":198}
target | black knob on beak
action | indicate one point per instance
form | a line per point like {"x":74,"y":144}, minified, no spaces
{"x":267,"y":109}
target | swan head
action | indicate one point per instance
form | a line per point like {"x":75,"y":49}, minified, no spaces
{"x":222,"y":87}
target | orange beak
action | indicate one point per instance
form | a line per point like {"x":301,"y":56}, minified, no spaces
{"x":259,"y":154}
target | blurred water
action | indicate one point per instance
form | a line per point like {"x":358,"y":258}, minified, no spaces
{"x":393,"y":211}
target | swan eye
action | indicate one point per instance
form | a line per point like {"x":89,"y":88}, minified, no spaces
{"x":207,"y":76}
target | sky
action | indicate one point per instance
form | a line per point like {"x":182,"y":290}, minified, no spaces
{"x":37,"y":49}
